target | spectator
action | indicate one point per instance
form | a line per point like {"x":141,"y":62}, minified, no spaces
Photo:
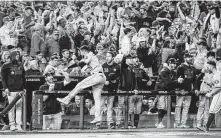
{"x":51,"y":107}
{"x":52,"y":44}
{"x":37,"y":41}
{"x":100,"y":53}
{"x":111,"y":71}
{"x":74,"y":108}
{"x":186,"y":78}
{"x":90,"y":106}
{"x":52,"y":67}
{"x":166,"y":82}
{"x":13,"y":81}
{"x":65,"y":58}
{"x":28,"y":24}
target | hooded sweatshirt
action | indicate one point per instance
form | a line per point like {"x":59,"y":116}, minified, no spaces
{"x":13,"y":74}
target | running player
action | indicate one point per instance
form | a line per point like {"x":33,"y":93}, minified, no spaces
{"x":96,"y":80}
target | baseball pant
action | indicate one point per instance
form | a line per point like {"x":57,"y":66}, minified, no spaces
{"x":182,"y":101}
{"x":96,"y":81}
{"x":15,"y":114}
{"x":203,"y":111}
{"x":120,"y":111}
{"x":110,"y":103}
{"x":215,"y":105}
{"x":52,"y":121}
{"x":135,"y":104}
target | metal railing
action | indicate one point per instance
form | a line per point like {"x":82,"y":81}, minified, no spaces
{"x":39,"y":94}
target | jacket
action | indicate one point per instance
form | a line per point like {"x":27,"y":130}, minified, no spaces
{"x":13,"y":74}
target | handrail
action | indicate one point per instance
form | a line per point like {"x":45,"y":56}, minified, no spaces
{"x":126,"y":93}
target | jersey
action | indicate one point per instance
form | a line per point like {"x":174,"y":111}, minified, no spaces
{"x":207,"y":83}
{"x":93,"y":66}
{"x":217,"y":80}
{"x":215,"y":106}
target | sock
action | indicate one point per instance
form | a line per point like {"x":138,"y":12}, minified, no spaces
{"x":129,"y":119}
{"x":161,"y":114}
{"x":210,"y":120}
{"x":136,"y":119}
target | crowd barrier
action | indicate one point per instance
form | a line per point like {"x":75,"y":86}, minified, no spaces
{"x":35,"y":81}
{"x":37,"y":104}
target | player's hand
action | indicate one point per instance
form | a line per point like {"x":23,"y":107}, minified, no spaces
{"x":208,"y":95}
{"x":197,"y":92}
{"x":180,"y":80}
{"x":24,"y":92}
{"x":107,"y":83}
{"x":136,"y":92}
{"x":51,"y":87}
{"x":6,"y":92}
{"x":182,"y":92}
{"x":149,"y":83}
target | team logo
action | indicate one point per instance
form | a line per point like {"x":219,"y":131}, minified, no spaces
{"x":216,"y":82}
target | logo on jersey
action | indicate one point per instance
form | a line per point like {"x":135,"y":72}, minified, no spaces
{"x":216,"y":82}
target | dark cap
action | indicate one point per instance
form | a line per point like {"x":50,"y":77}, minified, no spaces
{"x":203,"y":43}
{"x":28,"y":8}
{"x":211,"y":54}
{"x":38,"y":53}
{"x":84,"y":47}
{"x":112,"y":53}
{"x":211,"y":63}
{"x":186,"y":55}
{"x":49,"y":74}
{"x":172,"y":61}
{"x":10,"y":47}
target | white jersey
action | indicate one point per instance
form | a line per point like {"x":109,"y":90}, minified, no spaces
{"x":215,"y":106}
{"x":207,"y":83}
{"x":93,"y":66}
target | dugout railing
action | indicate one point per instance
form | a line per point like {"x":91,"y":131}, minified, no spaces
{"x":37,"y":104}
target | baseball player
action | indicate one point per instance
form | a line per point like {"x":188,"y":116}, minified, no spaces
{"x":96,"y":80}
{"x":186,"y":79}
{"x":166,"y":82}
{"x":216,"y":94}
{"x":206,"y":86}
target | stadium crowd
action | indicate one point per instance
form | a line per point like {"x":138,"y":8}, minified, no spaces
{"x":134,"y":40}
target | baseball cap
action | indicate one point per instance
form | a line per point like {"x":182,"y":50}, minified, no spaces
{"x":187,"y":55}
{"x":211,"y":53}
{"x":49,"y":74}
{"x":211,"y":63}
{"x":172,"y":61}
{"x":84,"y":47}
{"x":28,"y":8}
{"x":64,"y":50}
{"x":203,"y":43}
{"x":38,"y":53}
